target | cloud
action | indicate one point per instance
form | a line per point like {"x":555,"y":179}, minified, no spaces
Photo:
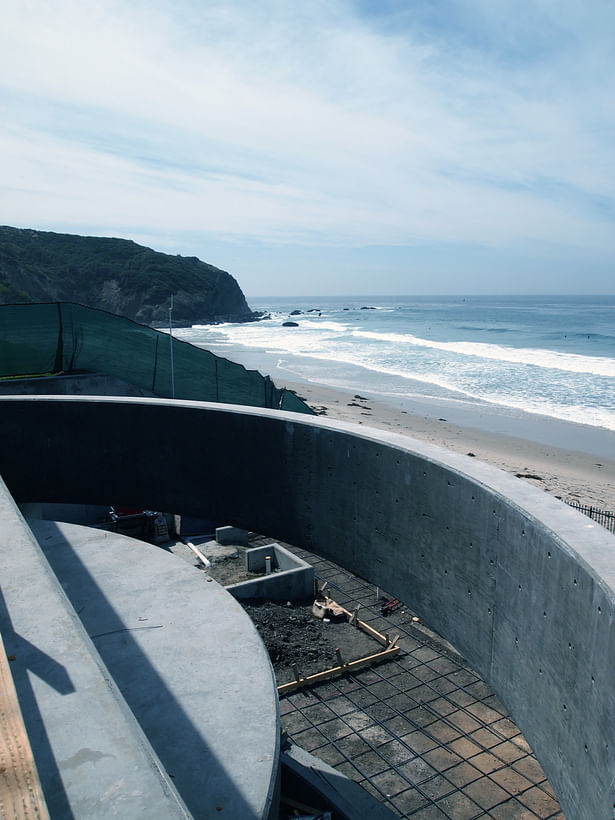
{"x":330,"y":122}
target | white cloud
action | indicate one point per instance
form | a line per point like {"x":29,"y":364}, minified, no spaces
{"x":309,"y":123}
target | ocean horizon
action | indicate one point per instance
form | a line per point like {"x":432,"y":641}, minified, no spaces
{"x":552,"y":356}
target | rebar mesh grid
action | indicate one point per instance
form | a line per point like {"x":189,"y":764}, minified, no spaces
{"x":422,"y":732}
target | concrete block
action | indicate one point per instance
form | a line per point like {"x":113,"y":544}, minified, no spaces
{"x":232,"y":535}
{"x":519,"y":583}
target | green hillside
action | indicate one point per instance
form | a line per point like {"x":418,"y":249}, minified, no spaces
{"x":116,"y":275}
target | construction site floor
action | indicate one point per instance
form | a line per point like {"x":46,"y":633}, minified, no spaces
{"x":421,"y":732}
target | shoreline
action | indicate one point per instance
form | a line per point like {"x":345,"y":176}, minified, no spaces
{"x":569,"y":460}
{"x":566,"y":473}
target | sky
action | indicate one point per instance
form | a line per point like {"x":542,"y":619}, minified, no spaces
{"x":325,"y":147}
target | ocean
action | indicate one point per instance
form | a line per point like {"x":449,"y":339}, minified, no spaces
{"x":553,"y":356}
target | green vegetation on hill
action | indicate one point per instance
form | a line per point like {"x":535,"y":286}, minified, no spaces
{"x":116,"y":275}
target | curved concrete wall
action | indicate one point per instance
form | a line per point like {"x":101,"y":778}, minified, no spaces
{"x":522,"y":585}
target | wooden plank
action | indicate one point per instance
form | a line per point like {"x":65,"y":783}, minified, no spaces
{"x":21,"y":796}
{"x":205,"y":561}
{"x":362,"y":625}
{"x":351,"y":666}
{"x":352,"y":617}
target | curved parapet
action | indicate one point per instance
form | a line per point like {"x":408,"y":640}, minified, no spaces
{"x":522,"y":585}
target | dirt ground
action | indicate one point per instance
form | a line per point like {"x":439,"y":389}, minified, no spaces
{"x":232,"y":571}
{"x":293,"y":635}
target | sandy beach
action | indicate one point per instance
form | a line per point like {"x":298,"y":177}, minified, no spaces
{"x":583,"y":471}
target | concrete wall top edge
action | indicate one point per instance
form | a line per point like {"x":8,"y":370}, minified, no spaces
{"x":522,"y":584}
{"x":593,"y":545}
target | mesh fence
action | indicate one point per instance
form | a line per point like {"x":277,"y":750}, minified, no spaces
{"x":62,"y":337}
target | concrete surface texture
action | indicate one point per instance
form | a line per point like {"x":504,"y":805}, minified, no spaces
{"x":350,"y":800}
{"x":422,"y":731}
{"x":291,"y":579}
{"x":232,"y":535}
{"x":138,"y":705}
{"x":519,"y":583}
{"x":93,"y":758}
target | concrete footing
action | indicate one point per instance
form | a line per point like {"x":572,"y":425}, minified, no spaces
{"x":289,"y":578}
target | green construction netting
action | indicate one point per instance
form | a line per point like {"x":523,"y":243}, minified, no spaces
{"x":63,"y":337}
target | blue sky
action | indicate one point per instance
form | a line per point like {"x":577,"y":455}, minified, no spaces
{"x":346,"y":146}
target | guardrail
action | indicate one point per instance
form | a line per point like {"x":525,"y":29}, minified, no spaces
{"x":605,"y":518}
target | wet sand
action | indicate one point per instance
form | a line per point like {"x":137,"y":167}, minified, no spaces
{"x":529,"y":446}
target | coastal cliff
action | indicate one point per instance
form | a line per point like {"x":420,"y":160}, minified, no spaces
{"x":116,"y":275}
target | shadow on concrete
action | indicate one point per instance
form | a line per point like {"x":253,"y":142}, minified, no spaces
{"x":29,"y":658}
{"x":185,"y":755}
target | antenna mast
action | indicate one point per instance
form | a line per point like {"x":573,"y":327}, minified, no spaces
{"x":171,"y":343}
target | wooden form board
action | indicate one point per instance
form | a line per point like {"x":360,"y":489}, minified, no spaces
{"x":21,"y":796}
{"x":351,"y":666}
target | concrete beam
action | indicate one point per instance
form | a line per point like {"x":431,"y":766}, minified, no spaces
{"x":522,"y":585}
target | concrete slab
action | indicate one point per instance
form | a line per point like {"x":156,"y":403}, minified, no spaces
{"x":215,"y":552}
{"x":183,"y":654}
{"x":92,"y":756}
{"x":232,"y":535}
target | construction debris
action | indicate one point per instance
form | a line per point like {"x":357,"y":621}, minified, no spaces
{"x":326,"y":605}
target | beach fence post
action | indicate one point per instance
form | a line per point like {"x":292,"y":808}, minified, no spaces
{"x":605,"y":518}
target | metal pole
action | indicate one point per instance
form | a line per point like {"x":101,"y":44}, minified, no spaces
{"x":171,"y":343}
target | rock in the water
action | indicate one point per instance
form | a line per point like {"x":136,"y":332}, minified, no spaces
{"x":290,"y":324}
